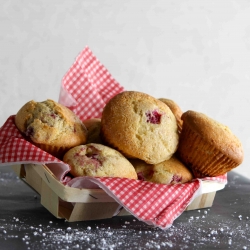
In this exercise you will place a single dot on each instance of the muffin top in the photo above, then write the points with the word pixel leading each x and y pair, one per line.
pixel 140 126
pixel 175 108
pixel 51 123
pixel 97 160
pixel 214 133
pixel 171 171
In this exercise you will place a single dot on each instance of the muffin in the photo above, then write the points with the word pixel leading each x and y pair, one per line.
pixel 50 126
pixel 171 171
pixel 140 126
pixel 93 126
pixel 208 147
pixel 176 111
pixel 98 160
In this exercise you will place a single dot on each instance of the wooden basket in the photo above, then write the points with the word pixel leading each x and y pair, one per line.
pixel 74 204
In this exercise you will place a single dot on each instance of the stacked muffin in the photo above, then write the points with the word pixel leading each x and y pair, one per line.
pixel 138 136
pixel 50 126
pixel 140 126
pixel 208 147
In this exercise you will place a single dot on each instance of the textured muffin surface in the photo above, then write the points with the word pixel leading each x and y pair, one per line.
pixel 140 126
pixel 207 146
pixel 98 160
pixel 93 126
pixel 171 171
pixel 175 108
pixel 49 124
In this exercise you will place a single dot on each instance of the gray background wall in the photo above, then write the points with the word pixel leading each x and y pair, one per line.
pixel 194 52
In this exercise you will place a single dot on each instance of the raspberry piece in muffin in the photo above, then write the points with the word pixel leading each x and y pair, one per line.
pixel 153 117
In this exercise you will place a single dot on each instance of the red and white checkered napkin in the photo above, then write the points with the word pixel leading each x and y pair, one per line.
pixel 15 149
pixel 155 204
pixel 88 86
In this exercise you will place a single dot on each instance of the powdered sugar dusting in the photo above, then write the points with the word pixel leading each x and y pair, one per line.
pixel 195 231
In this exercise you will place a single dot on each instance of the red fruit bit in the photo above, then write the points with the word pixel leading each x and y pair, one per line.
pixel 153 117
pixel 145 176
pixel 79 153
pixel 176 179
pixel 29 132
pixel 53 115
pixel 140 176
pixel 93 155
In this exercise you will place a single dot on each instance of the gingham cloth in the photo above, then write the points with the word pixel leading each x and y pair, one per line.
pixel 86 88
pixel 15 149
pixel 155 204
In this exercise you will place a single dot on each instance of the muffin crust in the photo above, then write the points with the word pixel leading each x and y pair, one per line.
pixel 140 126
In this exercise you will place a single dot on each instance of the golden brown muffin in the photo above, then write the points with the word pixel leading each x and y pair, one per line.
pixel 140 126
pixel 93 126
pixel 98 161
pixel 51 126
pixel 208 147
pixel 171 171
pixel 176 111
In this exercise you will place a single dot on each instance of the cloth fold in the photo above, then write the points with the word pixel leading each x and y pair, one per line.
pixel 155 204
pixel 88 86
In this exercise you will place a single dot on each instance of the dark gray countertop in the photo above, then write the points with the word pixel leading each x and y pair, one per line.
pixel 26 224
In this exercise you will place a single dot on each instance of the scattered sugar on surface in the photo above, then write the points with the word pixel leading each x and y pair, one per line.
pixel 128 233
